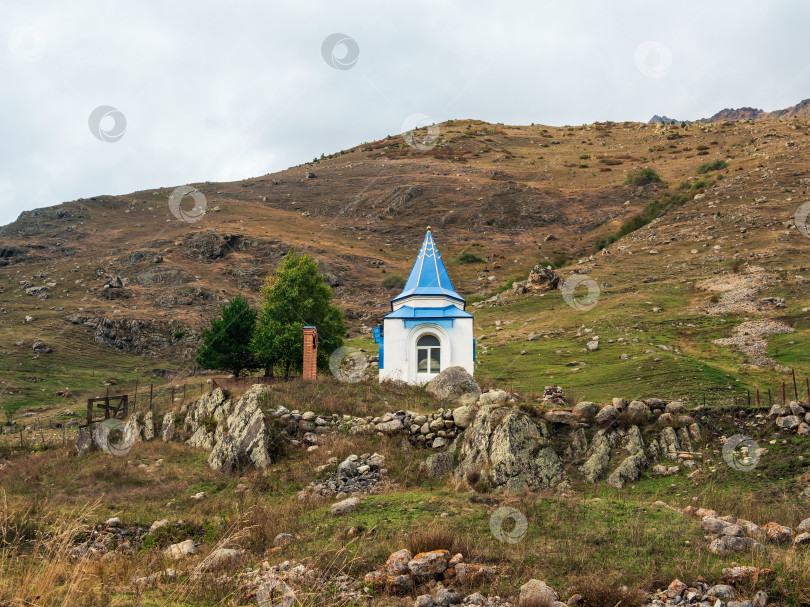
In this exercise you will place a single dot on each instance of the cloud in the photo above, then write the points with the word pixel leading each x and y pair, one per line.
pixel 223 91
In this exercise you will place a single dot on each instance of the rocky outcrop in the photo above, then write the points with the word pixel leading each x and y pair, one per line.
pixel 236 435
pixel 541 278
pixel 142 337
pixel 505 448
pixel 454 384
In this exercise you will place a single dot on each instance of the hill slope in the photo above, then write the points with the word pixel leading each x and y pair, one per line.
pixel 496 191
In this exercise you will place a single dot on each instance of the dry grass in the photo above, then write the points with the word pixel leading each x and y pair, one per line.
pixel 596 591
pixel 433 538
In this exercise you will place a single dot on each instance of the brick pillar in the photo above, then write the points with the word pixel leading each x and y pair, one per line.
pixel 310 352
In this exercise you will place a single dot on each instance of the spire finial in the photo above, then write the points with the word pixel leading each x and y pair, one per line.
pixel 428 228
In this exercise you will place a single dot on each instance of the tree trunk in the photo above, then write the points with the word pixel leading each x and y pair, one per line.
pixel 287 371
pixel 268 370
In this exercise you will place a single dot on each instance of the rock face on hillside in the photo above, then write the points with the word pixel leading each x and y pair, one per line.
pixel 505 448
pixel 454 383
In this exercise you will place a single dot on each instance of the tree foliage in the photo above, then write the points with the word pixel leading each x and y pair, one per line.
pixel 227 344
pixel 294 297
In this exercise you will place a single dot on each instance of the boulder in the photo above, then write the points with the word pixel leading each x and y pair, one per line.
pixel 675 407
pixel 638 412
pixel 446 597
pixel 247 439
pixel 585 411
pixel 802 539
pixel 429 564
pixel 558 416
pixel 437 465
pixel 536 593
pixel 219 558
pixel 494 397
pixel 778 534
pixel 84 442
pixel 346 506
pixel 789 422
pixel 167 427
pixel 723 592
pixel 423 600
pixel 607 414
pixel 454 384
pixel 180 550
pixel 509 445
pixel 463 416
pixel 148 430
pixel 282 539
pixel 397 563
pixel 391 427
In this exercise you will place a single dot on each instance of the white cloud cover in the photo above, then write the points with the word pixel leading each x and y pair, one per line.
pixel 223 91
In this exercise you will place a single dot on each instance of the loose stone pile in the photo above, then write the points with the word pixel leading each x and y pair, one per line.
pixel 403 572
pixel 703 594
pixel 731 535
pixel 356 475
pixel 795 416
pixel 109 537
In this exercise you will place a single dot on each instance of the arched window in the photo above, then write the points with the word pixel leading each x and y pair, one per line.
pixel 428 354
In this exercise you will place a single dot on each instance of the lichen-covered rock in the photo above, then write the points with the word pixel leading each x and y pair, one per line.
pixel 247 439
pixel 638 412
pixel 437 465
pixel 494 397
pixel 148 430
pixel 207 407
pixel 778 534
pixel 789 422
pixel 84 442
pixel 429 564
pixel 599 455
pixel 454 384
pixel 397 563
pixel 167 427
pixel 510 446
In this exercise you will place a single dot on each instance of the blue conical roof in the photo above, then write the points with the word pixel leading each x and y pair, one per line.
pixel 429 276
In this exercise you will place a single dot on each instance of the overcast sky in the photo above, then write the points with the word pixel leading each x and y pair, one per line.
pixel 194 90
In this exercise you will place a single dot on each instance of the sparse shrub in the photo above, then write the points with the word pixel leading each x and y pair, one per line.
pixel 737 265
pixel 395 281
pixel 715 298
pixel 432 538
pixel 642 177
pixel 585 157
pixel 469 258
pixel 714 165
pixel 596 592
pixel 472 477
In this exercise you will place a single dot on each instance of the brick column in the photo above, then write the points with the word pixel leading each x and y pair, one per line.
pixel 310 353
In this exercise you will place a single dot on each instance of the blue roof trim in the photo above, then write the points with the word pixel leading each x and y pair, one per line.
pixel 429 313
pixel 429 276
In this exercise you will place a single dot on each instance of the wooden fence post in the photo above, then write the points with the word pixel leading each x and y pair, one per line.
pixel 150 396
pixel 795 389
pixel 135 400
